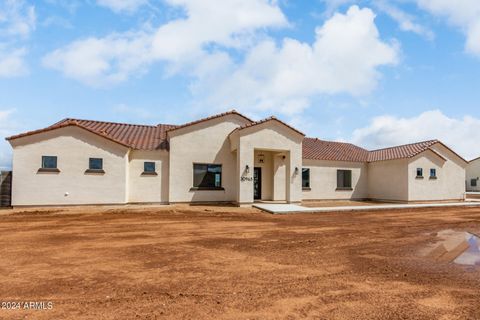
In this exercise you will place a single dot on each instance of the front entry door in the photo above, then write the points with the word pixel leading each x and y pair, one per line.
pixel 257 183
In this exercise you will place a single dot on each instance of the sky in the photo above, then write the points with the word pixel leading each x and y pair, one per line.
pixel 376 73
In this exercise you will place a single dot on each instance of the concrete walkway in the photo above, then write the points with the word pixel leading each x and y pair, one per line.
pixel 293 208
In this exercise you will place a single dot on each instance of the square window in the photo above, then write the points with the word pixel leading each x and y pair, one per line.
pixel 49 162
pixel 419 173
pixel 149 167
pixel 207 176
pixel 95 164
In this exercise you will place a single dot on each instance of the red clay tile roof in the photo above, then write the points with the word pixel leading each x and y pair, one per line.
pixel 138 137
pixel 400 152
pixel 210 118
pixel 316 149
pixel 272 118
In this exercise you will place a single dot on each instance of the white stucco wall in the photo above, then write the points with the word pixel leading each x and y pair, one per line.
pixel 473 172
pixel 205 142
pixel 73 146
pixel 323 180
pixel 148 188
pixel 388 180
pixel 450 182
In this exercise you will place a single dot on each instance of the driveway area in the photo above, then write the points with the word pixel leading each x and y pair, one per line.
pixel 202 262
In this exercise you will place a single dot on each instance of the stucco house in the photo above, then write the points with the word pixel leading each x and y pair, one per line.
pixel 222 158
pixel 473 175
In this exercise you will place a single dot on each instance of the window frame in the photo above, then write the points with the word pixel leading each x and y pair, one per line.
pixel 419 176
pixel 47 169
pixel 95 170
pixel 347 179
pixel 149 172
pixel 434 175
pixel 473 183
pixel 199 186
pixel 306 186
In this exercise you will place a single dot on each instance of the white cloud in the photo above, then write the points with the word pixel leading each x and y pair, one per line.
pixel 464 14
pixel 6 129
pixel 122 5
pixel 16 18
pixel 343 59
pixel 461 134
pixel 12 62
pixel 102 62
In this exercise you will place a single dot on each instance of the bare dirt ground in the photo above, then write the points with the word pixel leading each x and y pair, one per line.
pixel 231 263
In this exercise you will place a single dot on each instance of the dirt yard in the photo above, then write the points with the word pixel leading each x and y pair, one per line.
pixel 231 263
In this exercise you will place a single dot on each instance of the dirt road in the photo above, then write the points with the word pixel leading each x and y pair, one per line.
pixel 231 263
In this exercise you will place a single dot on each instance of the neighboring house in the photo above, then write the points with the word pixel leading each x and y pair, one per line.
pixel 473 175
pixel 223 158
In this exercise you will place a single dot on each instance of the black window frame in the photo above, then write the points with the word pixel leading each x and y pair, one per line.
pixel 419 173
pixel 473 183
pixel 55 158
pixel 148 172
pixel 306 178
pixel 209 180
pixel 344 179
pixel 433 173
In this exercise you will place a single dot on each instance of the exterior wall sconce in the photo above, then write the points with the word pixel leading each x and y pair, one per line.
pixel 247 169
pixel 296 170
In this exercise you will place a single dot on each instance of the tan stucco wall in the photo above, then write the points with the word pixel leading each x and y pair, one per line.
pixel 388 180
pixel 73 147
pixel 450 182
pixel 473 172
pixel 323 180
pixel 205 142
pixel 272 136
pixel 148 188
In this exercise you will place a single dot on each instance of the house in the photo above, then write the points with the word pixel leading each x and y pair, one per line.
pixel 222 158
pixel 473 175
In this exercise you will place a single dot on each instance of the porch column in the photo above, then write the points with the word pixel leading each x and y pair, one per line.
pixel 294 177
pixel 245 177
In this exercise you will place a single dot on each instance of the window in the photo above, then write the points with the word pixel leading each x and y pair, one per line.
pixel 49 162
pixel 207 176
pixel 149 167
pixel 433 173
pixel 473 182
pixel 305 178
pixel 95 164
pixel 344 179
pixel 419 173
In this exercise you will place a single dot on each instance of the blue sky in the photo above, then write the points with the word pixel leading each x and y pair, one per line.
pixel 373 72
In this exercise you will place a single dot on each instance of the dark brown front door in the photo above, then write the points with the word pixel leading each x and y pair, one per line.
pixel 257 183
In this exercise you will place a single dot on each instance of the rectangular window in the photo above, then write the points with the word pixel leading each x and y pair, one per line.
pixel 433 173
pixel 149 167
pixel 49 162
pixel 473 182
pixel 305 178
pixel 95 164
pixel 207 176
pixel 419 173
pixel 344 179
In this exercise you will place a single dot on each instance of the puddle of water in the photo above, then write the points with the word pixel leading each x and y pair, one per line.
pixel 457 247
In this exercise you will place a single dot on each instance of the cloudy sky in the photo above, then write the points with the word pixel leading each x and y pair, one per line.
pixel 374 72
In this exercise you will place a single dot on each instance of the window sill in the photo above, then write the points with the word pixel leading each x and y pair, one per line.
pixel 207 189
pixel 306 188
pixel 46 170
pixel 94 171
pixel 419 177
pixel 344 189
pixel 433 178
pixel 149 174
